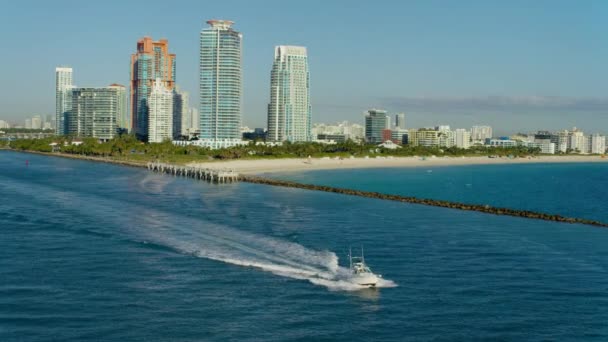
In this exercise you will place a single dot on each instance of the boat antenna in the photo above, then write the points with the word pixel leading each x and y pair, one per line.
pixel 350 257
pixel 362 256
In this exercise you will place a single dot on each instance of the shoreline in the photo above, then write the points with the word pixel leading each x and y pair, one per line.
pixel 269 166
pixel 263 166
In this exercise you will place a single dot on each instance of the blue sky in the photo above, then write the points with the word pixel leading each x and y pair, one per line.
pixel 518 65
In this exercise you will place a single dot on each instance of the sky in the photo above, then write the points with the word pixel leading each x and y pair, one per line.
pixel 516 65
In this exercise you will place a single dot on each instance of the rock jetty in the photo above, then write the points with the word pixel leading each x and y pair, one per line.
pixel 436 203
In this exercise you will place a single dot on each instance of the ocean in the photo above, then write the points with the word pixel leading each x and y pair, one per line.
pixel 99 252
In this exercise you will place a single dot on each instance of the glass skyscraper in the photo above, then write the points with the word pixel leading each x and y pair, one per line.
pixel 63 92
pixel 151 62
pixel 376 121
pixel 220 81
pixel 289 114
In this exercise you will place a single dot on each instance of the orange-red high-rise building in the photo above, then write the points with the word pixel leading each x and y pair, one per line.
pixel 152 61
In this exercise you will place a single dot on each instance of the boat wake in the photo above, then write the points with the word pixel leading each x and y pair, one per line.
pixel 236 247
pixel 202 238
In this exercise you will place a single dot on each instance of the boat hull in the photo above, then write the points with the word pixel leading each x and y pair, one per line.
pixel 368 279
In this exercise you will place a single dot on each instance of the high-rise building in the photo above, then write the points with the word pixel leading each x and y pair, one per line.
pixel 400 121
pixel 481 133
pixel 95 112
pixel 28 123
pixel 123 121
pixel 561 140
pixel 195 122
pixel 462 138
pixel 376 121
pixel 597 144
pixel 4 124
pixel 161 113
pixel 63 91
pixel 220 81
pixel 289 113
pixel 181 112
pixel 151 62
pixel 578 141
pixel 37 122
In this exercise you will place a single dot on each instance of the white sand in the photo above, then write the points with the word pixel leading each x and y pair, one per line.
pixel 290 165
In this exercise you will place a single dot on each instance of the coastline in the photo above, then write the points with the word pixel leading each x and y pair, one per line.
pixel 265 166
pixel 259 166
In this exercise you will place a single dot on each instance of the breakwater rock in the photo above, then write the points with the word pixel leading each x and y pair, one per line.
pixel 436 203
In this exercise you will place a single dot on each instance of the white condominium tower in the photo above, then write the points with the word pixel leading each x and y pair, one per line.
pixel 160 115
pixel 220 81
pixel 481 133
pixel 289 113
pixel 63 88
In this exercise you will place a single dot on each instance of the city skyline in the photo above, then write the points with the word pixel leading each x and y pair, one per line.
pixel 487 80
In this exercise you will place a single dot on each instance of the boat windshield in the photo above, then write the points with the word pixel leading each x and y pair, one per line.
pixel 361 268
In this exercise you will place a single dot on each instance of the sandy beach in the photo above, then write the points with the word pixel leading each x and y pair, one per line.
pixel 293 165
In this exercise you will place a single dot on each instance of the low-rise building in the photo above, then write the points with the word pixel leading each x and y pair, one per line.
pixel 428 137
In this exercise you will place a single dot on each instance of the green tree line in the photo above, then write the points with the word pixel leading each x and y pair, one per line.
pixel 127 147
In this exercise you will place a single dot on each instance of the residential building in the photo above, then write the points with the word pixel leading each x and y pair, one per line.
pixel 289 112
pixel 578 141
pixel 446 136
pixel 95 112
pixel 213 144
pixel 50 119
pixel 338 138
pixel 481 133
pixel 427 137
pixel 400 121
pixel 501 143
pixel 28 123
pixel 255 134
pixel 399 136
pixel 597 144
pixel 160 117
pixel 220 82
pixel 151 62
pixel 122 120
pixel 182 120
pixel 545 146
pixel 63 88
pixel 4 124
pixel 376 121
pixel 561 140
pixel 350 131
pixel 462 138
pixel 194 122
pixel 387 135
pixel 37 122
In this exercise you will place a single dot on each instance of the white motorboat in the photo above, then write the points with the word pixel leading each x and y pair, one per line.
pixel 361 274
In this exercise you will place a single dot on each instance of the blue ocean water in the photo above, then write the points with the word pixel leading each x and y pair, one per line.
pixel 106 253
pixel 570 189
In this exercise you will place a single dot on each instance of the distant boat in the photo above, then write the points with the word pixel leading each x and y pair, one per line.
pixel 361 274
